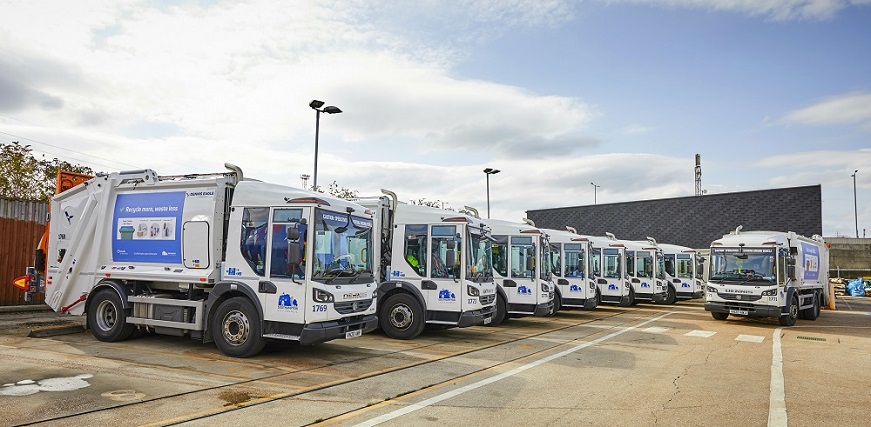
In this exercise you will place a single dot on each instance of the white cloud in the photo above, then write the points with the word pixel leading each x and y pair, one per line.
pixel 848 109
pixel 778 10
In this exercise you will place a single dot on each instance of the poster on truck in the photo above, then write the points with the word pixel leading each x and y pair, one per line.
pixel 811 261
pixel 147 227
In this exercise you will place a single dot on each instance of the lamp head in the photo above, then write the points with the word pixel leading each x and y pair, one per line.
pixel 332 109
pixel 316 104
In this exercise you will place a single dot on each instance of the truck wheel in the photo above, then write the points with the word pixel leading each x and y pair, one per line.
pixel 792 314
pixel 813 312
pixel 719 316
pixel 401 317
pixel 670 296
pixel 236 328
pixel 557 303
pixel 631 299
pixel 107 319
pixel 499 315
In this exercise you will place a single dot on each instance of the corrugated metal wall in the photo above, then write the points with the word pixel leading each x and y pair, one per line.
pixel 21 227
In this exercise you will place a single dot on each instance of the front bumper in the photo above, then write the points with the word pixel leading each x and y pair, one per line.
pixel 477 317
pixel 326 331
pixel 752 310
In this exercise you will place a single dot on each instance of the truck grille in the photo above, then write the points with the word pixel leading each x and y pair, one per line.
pixel 348 307
pixel 487 299
pixel 739 297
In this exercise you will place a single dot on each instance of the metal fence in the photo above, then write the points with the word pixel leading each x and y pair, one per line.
pixel 21 226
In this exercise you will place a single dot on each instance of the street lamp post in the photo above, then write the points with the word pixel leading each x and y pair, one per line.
pixel 855 205
pixel 489 171
pixel 316 105
pixel 594 191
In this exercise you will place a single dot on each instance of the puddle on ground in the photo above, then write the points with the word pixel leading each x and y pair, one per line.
pixel 28 387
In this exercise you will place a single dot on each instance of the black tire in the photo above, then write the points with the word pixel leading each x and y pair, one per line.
pixel 670 296
pixel 501 311
pixel 813 312
pixel 792 316
pixel 719 315
pixel 557 303
pixel 236 328
pixel 630 299
pixel 401 317
pixel 107 318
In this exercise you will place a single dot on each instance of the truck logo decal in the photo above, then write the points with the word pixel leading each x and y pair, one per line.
pixel 523 290
pixel 447 296
pixel 685 285
pixel 147 227
pixel 645 285
pixel 69 217
pixel 232 271
pixel 575 288
pixel 612 287
pixel 811 261
pixel 287 303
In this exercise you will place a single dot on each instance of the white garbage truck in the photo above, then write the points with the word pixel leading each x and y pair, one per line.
pixel 211 256
pixel 645 270
pixel 524 286
pixel 569 256
pixel 433 267
pixel 607 260
pixel 767 274
pixel 683 272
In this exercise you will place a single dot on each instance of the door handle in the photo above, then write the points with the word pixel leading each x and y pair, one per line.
pixel 602 281
pixel 508 283
pixel 562 282
pixel 267 287
pixel 429 284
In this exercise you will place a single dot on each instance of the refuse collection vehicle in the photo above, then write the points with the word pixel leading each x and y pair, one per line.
pixel 211 256
pixel 607 269
pixel 569 255
pixel 433 267
pixel 767 274
pixel 645 270
pixel 523 282
pixel 683 273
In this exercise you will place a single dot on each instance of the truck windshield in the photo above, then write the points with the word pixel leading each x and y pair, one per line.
pixel 342 246
pixel 743 265
pixel 596 262
pixel 480 264
pixel 660 265
pixel 555 263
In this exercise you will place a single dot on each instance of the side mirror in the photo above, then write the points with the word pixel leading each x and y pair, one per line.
pixel 530 263
pixel 790 271
pixel 292 232
pixel 450 258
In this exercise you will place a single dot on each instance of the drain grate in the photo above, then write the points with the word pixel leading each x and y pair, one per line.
pixel 811 338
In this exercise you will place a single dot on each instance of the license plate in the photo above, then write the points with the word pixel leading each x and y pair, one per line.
pixel 353 334
pixel 739 312
pixel 487 320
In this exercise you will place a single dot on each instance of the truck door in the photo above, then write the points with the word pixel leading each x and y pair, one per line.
pixel 286 295
pixel 522 287
pixel 444 269
pixel 611 282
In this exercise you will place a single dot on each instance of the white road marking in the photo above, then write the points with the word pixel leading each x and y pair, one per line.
pixel 453 393
pixel 700 334
pixel 776 397
pixel 750 338
pixel 656 329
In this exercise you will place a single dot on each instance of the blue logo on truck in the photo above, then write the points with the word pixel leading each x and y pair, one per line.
pixel 811 261
pixel 287 303
pixel 446 295
pixel 146 227
pixel 523 290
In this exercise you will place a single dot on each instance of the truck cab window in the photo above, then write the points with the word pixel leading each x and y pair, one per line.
pixel 445 244
pixel 500 258
pixel 415 248
pixel 574 260
pixel 253 242
pixel 281 220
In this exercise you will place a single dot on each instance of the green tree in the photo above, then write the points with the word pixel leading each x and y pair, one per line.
pixel 438 204
pixel 24 177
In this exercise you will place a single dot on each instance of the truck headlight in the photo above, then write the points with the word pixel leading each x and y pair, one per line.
pixel 545 287
pixel 769 293
pixel 322 296
pixel 473 291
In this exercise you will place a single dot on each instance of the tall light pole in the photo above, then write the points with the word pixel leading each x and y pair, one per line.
pixel 316 105
pixel 855 205
pixel 594 191
pixel 489 171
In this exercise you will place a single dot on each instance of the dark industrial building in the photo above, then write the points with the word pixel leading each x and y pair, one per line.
pixel 694 221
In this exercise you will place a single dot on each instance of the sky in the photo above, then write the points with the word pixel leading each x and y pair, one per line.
pixel 575 102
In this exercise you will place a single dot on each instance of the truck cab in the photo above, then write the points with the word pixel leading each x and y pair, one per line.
pixel 569 255
pixel 767 274
pixel 683 272
pixel 607 270
pixel 645 270
pixel 523 280
pixel 433 266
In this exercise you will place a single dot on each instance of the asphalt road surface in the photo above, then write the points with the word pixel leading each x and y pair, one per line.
pixel 643 365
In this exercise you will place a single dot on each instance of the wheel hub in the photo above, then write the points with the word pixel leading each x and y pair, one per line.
pixel 236 328
pixel 107 315
pixel 401 316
